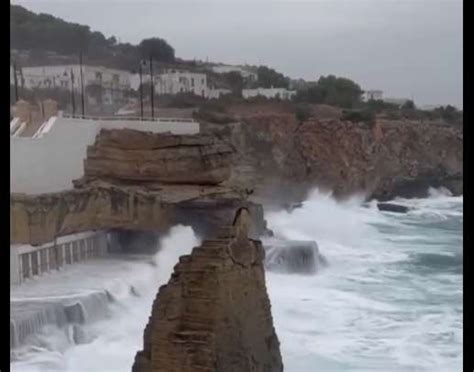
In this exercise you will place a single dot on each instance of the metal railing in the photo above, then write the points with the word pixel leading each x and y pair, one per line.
pixel 129 118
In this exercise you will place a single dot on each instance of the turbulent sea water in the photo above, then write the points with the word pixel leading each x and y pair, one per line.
pixel 390 299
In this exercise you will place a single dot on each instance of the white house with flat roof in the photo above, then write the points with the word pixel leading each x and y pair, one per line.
pixel 242 70
pixel 281 93
pixel 375 95
pixel 113 84
pixel 60 77
pixel 174 81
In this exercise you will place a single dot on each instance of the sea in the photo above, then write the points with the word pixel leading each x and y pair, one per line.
pixel 389 298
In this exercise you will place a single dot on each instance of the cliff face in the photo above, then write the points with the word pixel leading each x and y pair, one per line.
pixel 138 181
pixel 133 156
pixel 214 313
pixel 280 157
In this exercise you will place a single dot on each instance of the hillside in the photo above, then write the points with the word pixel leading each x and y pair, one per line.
pixel 44 39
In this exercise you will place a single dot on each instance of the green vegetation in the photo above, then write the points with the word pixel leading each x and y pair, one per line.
pixel 157 48
pixel 234 81
pixel 39 33
pixel 450 114
pixel 332 90
pixel 302 112
pixel 358 116
pixel 268 78
pixel 408 105
pixel 379 106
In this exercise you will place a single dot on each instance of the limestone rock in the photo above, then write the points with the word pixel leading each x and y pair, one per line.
pixel 135 156
pixel 38 219
pixel 282 160
pixel 214 314
pixel 294 257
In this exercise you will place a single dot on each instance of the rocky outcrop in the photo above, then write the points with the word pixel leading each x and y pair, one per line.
pixel 294 257
pixel 282 159
pixel 214 313
pixel 139 181
pixel 133 156
pixel 41 218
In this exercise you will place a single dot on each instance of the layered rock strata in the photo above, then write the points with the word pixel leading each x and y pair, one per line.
pixel 132 156
pixel 139 181
pixel 39 219
pixel 281 158
pixel 214 313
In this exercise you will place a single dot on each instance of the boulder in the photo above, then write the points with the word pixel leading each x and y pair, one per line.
pixel 214 312
pixel 391 207
pixel 294 257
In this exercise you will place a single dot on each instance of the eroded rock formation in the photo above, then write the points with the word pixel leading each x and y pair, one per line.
pixel 138 181
pixel 214 313
pixel 282 159
pixel 39 219
pixel 134 156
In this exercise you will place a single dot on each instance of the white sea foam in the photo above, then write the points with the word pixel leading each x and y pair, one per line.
pixel 113 342
pixel 390 300
pixel 376 307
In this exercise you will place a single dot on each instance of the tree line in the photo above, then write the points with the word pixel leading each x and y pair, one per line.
pixel 39 33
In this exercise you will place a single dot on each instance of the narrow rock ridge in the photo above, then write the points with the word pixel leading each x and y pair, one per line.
pixel 214 314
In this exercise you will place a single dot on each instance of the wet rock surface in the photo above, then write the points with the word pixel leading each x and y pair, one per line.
pixel 294 257
pixel 214 313
pixel 139 181
pixel 282 159
pixel 391 207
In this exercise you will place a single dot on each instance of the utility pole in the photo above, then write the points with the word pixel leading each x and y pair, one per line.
pixel 141 89
pixel 82 84
pixel 15 81
pixel 22 81
pixel 72 94
pixel 152 89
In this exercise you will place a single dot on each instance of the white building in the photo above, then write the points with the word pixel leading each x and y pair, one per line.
pixel 243 71
pixel 175 81
pixel 60 77
pixel 217 93
pixel 375 95
pixel 281 93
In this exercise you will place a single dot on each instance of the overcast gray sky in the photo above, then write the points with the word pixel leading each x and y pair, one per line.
pixel 407 48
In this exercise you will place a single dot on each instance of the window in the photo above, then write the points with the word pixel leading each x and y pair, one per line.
pixel 202 81
pixel 115 78
pixel 192 82
pixel 98 75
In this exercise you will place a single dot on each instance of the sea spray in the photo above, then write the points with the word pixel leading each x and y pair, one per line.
pixel 112 342
pixel 391 298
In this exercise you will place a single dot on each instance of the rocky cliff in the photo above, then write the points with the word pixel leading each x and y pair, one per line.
pixel 214 313
pixel 282 158
pixel 133 156
pixel 138 181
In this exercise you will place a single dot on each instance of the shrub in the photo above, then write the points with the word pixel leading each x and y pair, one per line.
pixel 302 112
pixel 357 116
